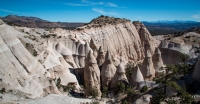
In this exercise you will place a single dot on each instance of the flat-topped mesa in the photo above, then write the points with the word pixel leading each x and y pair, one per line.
pixel 136 77
pixel 94 47
pixel 91 74
pixel 104 20
pixel 147 67
pixel 157 61
pixel 119 76
pixel 108 71
pixel 195 73
pixel 100 57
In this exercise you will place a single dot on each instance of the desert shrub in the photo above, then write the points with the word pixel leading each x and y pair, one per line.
pixel 3 90
pixel 143 89
pixel 104 91
pixel 130 91
pixel 35 53
pixel 93 92
pixel 121 86
pixel 95 102
pixel 129 70
pixel 69 87
pixel 126 102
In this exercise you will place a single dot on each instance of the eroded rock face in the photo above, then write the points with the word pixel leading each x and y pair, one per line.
pixel 157 61
pixel 100 57
pixel 1 22
pixel 108 71
pixel 119 76
pixel 94 47
pixel 195 73
pixel 59 52
pixel 20 71
pixel 147 67
pixel 92 74
pixel 136 77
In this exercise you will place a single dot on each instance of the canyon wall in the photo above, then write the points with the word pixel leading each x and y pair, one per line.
pixel 34 62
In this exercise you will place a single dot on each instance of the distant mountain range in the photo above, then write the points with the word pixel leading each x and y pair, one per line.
pixel 35 22
pixel 168 27
pixel 170 22
pixel 162 27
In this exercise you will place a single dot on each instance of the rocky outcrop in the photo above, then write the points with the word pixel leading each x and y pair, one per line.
pixel 146 39
pixel 136 77
pixel 108 71
pixel 157 61
pixel 100 57
pixel 92 74
pixel 20 71
pixel 119 76
pixel 195 73
pixel 147 67
pixel 1 22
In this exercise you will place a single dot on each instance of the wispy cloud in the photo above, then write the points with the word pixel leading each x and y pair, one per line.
pixel 74 4
pixel 196 16
pixel 10 11
pixel 112 5
pixel 104 12
pixel 91 3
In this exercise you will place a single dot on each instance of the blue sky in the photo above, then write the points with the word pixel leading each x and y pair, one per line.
pixel 86 10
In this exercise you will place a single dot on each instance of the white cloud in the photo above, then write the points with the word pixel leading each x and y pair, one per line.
pixel 196 16
pixel 91 3
pixel 112 5
pixel 104 12
pixel 10 11
pixel 74 4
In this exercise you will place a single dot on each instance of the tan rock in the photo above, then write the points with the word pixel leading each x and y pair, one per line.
pixel 136 77
pixel 81 56
pixel 91 74
pixel 94 47
pixel 1 22
pixel 157 61
pixel 119 75
pixel 108 71
pixel 100 57
pixel 147 67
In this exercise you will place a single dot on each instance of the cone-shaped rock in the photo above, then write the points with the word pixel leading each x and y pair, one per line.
pixel 108 71
pixel 94 48
pixel 157 60
pixel 147 67
pixel 136 77
pixel 195 74
pixel 100 57
pixel 81 55
pixel 119 75
pixel 91 74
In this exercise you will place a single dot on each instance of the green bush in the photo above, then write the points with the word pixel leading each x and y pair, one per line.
pixel 3 90
pixel 130 91
pixel 121 86
pixel 104 92
pixel 93 92
pixel 69 87
pixel 144 89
